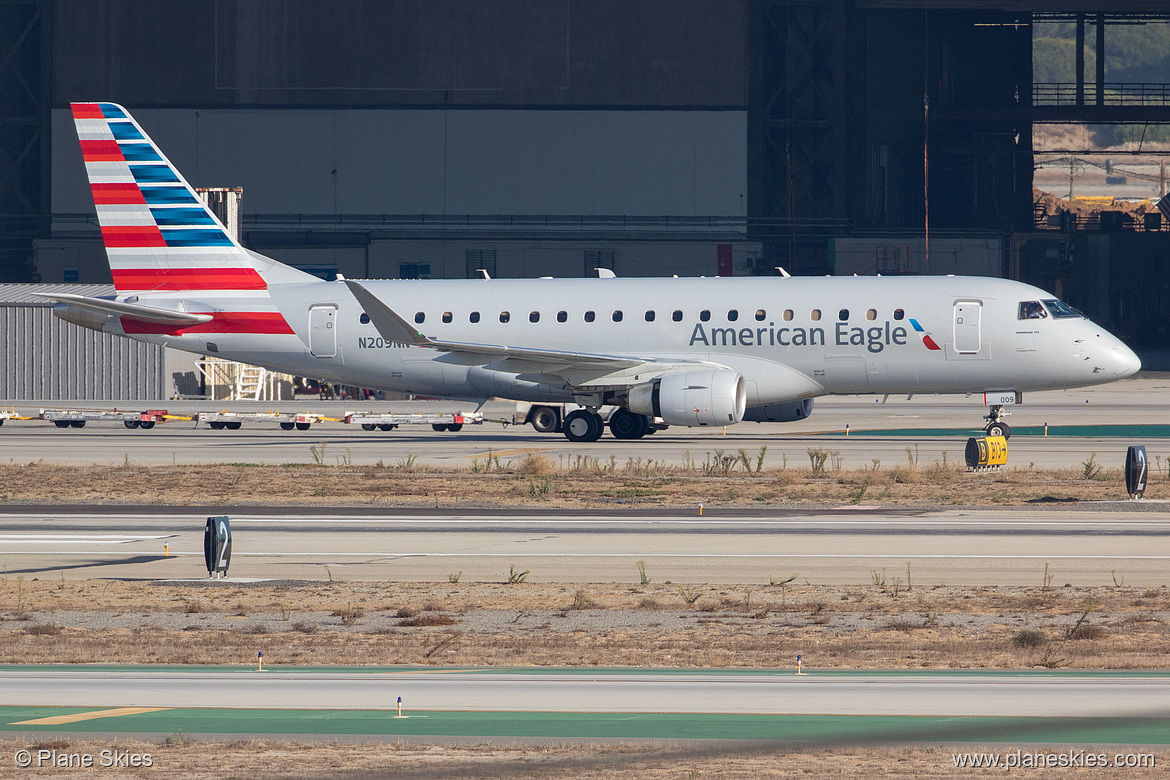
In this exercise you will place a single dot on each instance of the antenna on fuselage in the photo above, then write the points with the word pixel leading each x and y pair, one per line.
pixel 783 273
pixel 605 273
pixel 483 271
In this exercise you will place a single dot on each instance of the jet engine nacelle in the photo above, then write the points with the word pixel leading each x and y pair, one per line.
pixel 692 398
pixel 789 411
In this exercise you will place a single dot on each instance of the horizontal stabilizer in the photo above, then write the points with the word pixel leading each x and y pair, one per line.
pixel 137 311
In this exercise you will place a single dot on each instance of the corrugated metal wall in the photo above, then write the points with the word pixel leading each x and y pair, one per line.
pixel 43 357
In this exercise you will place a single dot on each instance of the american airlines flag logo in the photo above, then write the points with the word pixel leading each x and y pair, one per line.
pixel 158 234
pixel 926 339
pixel 143 205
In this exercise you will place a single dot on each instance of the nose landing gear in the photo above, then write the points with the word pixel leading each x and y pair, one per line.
pixel 995 424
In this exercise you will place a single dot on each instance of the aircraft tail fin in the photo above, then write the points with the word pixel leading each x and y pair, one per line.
pixel 159 235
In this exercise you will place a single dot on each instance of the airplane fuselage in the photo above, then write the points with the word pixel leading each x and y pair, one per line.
pixel 789 337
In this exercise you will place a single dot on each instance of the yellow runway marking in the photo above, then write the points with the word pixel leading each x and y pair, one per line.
pixel 57 720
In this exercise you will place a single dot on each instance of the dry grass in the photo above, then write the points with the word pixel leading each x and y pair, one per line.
pixel 196 760
pixel 634 625
pixel 579 481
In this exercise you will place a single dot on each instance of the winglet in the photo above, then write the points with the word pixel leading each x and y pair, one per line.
pixel 391 326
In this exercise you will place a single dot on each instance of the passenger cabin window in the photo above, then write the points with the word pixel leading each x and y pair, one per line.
pixel 732 315
pixel 590 316
pixel 705 315
pixel 843 315
pixel 419 317
pixel 761 315
pixel 446 316
pixel 473 317
pixel 365 318
pixel 677 316
pixel 871 314
pixel 650 316
pixel 1032 310
pixel 562 316
pixel 534 316
pixel 617 316
pixel 505 316
pixel 788 315
pixel 815 315
pixel 1060 309
pixel 899 314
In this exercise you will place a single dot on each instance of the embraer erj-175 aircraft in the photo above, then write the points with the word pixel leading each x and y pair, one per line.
pixel 689 352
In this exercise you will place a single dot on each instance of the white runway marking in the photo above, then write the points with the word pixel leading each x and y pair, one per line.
pixel 70 539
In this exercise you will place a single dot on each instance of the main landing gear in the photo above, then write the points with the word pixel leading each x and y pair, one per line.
pixel 995 424
pixel 624 424
pixel 586 425
pixel 583 425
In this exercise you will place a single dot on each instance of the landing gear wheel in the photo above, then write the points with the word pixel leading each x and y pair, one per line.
pixel 583 425
pixel 369 427
pixel 232 425
pixel 455 427
pixel 544 419
pixel 61 423
pixel 303 426
pixel 999 429
pixel 216 425
pixel 287 426
pixel 387 426
pixel 624 424
pixel 148 424
pixel 131 424
pixel 439 427
pixel 77 423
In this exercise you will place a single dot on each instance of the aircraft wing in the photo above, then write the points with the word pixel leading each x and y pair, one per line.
pixel 135 310
pixel 393 327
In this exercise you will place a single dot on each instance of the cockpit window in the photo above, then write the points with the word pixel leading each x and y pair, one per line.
pixel 1060 309
pixel 1032 310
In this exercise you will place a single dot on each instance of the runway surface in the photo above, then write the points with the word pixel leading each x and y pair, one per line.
pixel 1131 411
pixel 842 546
pixel 585 703
pixel 589 690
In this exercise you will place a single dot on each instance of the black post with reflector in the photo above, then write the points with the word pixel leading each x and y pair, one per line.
pixel 217 545
pixel 1137 468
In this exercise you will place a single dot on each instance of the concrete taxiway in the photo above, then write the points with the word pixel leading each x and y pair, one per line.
pixel 1106 420
pixel 592 704
pixel 842 546
pixel 1022 694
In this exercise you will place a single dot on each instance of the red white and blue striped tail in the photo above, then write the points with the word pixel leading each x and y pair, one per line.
pixel 159 235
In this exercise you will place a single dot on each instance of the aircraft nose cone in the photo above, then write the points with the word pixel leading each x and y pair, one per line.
pixel 1125 362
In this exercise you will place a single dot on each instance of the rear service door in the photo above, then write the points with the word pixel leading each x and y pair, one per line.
pixel 323 331
pixel 967 327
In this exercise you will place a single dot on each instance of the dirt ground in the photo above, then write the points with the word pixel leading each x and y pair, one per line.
pixel 729 478
pixel 178 757
pixel 888 624
pixel 894 622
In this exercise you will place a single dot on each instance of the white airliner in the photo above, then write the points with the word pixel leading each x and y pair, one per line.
pixel 689 352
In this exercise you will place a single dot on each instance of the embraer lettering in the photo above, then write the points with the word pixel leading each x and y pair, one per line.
pixel 874 339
